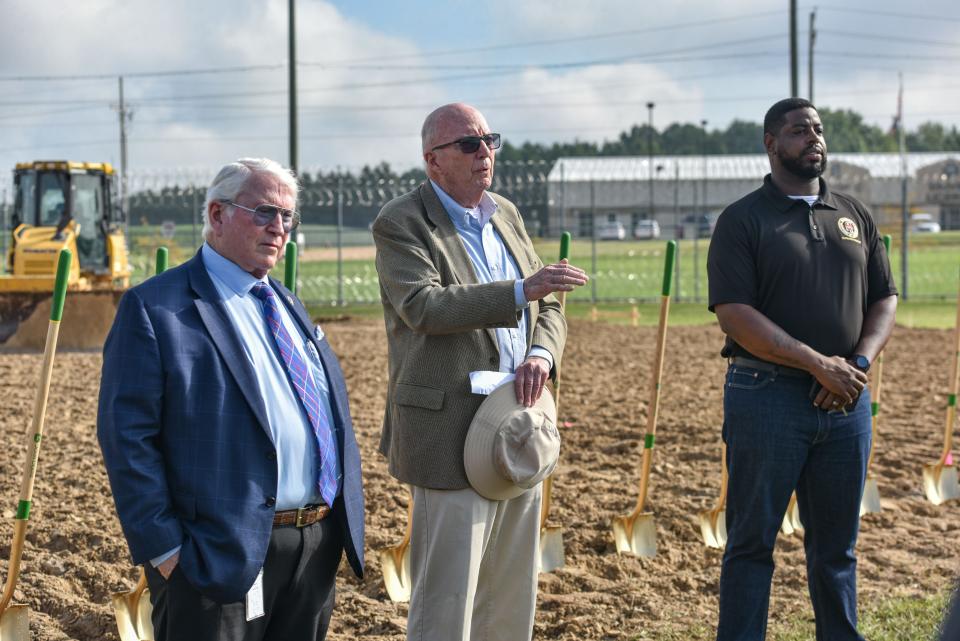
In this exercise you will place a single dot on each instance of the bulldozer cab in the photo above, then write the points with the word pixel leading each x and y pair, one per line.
pixel 55 193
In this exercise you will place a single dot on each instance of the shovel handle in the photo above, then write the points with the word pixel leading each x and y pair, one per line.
pixel 653 410
pixel 290 267
pixel 163 259
pixel 954 384
pixel 35 435
pixel 548 482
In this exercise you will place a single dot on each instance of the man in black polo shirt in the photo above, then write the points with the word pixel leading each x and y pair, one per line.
pixel 801 286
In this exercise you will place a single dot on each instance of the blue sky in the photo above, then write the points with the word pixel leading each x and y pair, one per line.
pixel 540 70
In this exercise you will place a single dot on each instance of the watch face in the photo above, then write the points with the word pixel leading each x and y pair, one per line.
pixel 862 362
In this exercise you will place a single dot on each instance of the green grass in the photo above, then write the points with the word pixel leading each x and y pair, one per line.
pixel 929 315
pixel 891 619
pixel 622 272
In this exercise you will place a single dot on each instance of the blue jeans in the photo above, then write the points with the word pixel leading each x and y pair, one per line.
pixel 778 442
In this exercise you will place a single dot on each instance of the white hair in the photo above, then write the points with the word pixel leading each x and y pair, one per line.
pixel 233 177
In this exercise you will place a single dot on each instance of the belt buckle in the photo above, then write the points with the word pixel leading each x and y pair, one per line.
pixel 300 519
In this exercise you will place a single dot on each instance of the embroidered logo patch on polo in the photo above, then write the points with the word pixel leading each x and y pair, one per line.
pixel 849 229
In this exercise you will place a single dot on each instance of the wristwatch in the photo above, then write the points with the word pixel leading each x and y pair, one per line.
pixel 861 362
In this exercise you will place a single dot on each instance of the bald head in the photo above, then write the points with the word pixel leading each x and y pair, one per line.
pixel 443 119
pixel 464 175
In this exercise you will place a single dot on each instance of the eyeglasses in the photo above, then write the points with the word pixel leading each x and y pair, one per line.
pixel 265 214
pixel 470 144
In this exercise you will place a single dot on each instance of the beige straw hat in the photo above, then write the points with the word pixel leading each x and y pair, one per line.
pixel 510 448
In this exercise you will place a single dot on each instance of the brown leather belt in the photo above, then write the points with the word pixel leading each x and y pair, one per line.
pixel 301 517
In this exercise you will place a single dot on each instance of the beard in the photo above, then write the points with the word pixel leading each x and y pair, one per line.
pixel 801 169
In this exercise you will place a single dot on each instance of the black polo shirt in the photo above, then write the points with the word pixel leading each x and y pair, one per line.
pixel 811 270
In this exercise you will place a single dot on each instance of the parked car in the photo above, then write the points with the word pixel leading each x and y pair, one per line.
pixel 928 227
pixel 611 231
pixel 923 223
pixel 646 230
pixel 698 225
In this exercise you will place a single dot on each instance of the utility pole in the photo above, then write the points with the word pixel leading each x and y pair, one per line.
pixel 650 106
pixel 125 116
pixel 292 68
pixel 905 209
pixel 813 38
pixel 794 82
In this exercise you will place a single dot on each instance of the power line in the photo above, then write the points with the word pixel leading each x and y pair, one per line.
pixel 560 65
pixel 892 14
pixel 141 74
pixel 561 41
pixel 887 56
pixel 890 38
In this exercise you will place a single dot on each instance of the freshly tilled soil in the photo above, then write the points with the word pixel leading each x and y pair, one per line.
pixel 76 556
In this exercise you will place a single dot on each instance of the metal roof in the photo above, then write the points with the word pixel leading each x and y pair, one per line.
pixel 726 167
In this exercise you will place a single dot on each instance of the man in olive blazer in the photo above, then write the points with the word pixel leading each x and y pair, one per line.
pixel 463 290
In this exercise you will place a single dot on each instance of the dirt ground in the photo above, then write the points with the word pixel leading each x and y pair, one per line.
pixel 76 555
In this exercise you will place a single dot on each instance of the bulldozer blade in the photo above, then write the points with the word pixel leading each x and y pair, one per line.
pixel 395 565
pixel 25 318
pixel 713 527
pixel 551 549
pixel 791 520
pixel 14 309
pixel 15 623
pixel 635 535
pixel 940 483
pixel 870 503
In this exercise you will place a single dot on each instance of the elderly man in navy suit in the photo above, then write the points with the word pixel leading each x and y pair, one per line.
pixel 226 432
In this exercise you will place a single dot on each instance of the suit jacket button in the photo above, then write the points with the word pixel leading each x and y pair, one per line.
pixel 493 360
pixel 270 502
pixel 271 456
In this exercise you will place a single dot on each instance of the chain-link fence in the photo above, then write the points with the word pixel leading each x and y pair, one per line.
pixel 337 254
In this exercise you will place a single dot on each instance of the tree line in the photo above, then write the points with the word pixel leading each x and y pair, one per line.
pixel 522 167
pixel 845 130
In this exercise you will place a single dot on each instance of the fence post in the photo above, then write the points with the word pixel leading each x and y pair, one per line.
pixel 193 218
pixel 339 239
pixel 593 245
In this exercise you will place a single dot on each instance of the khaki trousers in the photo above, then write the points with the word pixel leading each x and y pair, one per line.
pixel 473 566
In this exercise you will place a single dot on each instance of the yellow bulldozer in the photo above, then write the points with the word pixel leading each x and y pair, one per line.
pixel 63 204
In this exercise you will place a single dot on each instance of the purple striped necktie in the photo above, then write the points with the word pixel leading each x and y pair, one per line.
pixel 306 390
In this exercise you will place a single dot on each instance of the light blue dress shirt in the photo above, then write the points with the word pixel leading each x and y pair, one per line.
pixel 289 427
pixel 493 262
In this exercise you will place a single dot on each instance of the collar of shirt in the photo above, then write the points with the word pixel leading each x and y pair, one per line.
pixel 228 272
pixel 462 216
pixel 783 202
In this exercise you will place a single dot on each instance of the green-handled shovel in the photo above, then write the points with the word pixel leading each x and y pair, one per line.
pixel 713 523
pixel 551 536
pixel 940 478
pixel 14 618
pixel 395 563
pixel 870 502
pixel 290 267
pixel 132 609
pixel 636 532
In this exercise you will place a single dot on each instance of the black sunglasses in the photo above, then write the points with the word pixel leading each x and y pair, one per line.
pixel 265 214
pixel 470 144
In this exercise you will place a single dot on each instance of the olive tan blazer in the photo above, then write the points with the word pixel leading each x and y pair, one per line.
pixel 440 327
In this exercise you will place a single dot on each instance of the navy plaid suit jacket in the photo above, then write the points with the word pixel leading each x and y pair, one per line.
pixel 183 433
